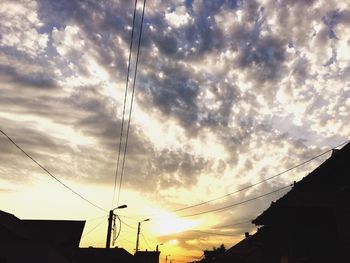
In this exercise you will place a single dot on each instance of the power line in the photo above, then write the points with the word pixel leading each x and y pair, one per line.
pixel 236 204
pixel 127 240
pixel 125 96
pixel 262 181
pixel 144 238
pixel 127 224
pixel 130 217
pixel 132 99
pixel 234 224
pixel 211 233
pixel 222 226
pixel 124 238
pixel 49 173
pixel 95 218
pixel 93 229
pixel 229 225
pixel 250 186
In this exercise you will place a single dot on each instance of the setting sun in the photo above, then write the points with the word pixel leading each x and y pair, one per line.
pixel 170 224
pixel 173 242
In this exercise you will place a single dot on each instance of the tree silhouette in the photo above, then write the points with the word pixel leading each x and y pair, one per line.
pixel 211 255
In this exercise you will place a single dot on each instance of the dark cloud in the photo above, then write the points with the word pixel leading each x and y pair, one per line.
pixel 31 79
pixel 331 19
pixel 180 166
pixel 99 24
pixel 263 57
pixel 191 41
pixel 91 114
pixel 19 168
pixel 301 70
pixel 204 36
pixel 153 171
pixel 174 95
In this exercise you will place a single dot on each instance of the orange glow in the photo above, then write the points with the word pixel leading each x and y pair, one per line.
pixel 173 242
pixel 170 224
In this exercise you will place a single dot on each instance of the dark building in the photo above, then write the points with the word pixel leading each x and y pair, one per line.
pixel 39 241
pixel 146 257
pixel 310 224
pixel 104 255
pixel 247 250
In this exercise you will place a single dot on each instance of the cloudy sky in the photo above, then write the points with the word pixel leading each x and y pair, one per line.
pixel 227 93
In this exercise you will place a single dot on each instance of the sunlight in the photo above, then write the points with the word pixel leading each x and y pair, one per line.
pixel 173 242
pixel 170 224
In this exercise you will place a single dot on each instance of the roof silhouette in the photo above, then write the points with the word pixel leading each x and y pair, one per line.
pixel 59 232
pixel 320 188
pixel 104 255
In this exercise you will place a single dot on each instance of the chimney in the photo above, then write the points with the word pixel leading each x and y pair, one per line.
pixel 247 234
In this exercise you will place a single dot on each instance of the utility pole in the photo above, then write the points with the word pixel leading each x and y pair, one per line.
pixel 138 234
pixel 157 247
pixel 109 228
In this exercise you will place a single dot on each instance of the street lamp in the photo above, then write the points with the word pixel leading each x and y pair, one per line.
pixel 110 219
pixel 158 246
pixel 166 258
pixel 138 233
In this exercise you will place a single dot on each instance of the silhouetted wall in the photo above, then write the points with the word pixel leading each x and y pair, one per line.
pixel 147 257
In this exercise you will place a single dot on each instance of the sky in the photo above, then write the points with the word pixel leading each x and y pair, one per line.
pixel 227 93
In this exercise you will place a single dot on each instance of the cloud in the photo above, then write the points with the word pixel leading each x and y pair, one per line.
pixel 38 80
pixel 265 56
pixel 6 190
pixel 20 25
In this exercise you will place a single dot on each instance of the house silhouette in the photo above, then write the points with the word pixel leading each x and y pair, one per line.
pixel 146 256
pixel 57 241
pixel 104 255
pixel 38 241
pixel 309 224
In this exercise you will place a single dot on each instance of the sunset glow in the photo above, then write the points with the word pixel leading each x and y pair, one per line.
pixel 170 224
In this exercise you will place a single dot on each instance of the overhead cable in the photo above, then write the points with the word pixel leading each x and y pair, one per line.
pixel 144 238
pixel 93 229
pixel 127 224
pixel 262 181
pixel 125 96
pixel 132 99
pixel 49 173
pixel 212 233
pixel 236 204
pixel 234 224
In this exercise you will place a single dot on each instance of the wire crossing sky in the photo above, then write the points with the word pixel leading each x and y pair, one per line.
pixel 53 176
pixel 124 105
